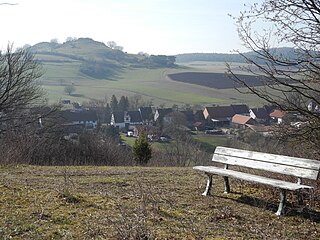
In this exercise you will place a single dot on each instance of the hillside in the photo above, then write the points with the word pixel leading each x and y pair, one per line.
pixel 234 57
pixel 98 72
pixel 141 203
pixel 208 57
pixel 95 58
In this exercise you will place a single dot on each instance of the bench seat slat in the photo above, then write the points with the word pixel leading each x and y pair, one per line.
pixel 268 166
pixel 252 178
pixel 272 158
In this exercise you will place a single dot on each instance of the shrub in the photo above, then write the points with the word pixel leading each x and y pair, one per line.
pixel 142 150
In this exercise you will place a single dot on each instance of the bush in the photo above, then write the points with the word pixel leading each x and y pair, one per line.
pixel 141 150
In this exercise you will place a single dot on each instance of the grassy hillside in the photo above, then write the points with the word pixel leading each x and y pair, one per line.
pixel 150 83
pixel 98 72
pixel 133 202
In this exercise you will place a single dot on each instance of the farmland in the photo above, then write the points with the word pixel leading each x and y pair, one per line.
pixel 152 84
pixel 214 80
pixel 118 73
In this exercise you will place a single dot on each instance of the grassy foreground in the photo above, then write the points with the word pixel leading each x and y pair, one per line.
pixel 140 203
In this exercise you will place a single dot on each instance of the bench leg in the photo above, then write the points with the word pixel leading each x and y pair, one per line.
pixel 208 187
pixel 227 185
pixel 282 202
pixel 300 198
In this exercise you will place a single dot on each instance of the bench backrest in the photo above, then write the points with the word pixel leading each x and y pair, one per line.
pixel 298 167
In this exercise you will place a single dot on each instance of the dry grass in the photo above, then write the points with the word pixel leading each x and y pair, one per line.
pixel 140 203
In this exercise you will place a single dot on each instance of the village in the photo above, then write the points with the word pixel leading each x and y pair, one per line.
pixel 215 120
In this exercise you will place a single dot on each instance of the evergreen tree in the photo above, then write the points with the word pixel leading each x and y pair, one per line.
pixel 114 103
pixel 142 149
pixel 123 104
pixel 108 109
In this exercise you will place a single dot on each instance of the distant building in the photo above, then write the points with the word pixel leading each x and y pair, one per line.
pixel 261 115
pixel 241 109
pixel 219 116
pixel 133 118
pixel 261 129
pixel 163 114
pixel 278 116
pixel 118 120
pixel 146 115
pixel 126 120
pixel 86 118
pixel 241 121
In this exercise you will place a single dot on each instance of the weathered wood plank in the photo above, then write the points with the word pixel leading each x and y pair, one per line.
pixel 267 166
pixel 272 158
pixel 252 178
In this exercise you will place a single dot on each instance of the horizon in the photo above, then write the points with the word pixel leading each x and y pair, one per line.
pixel 160 27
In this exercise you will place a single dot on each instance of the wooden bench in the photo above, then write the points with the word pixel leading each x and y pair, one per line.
pixel 292 166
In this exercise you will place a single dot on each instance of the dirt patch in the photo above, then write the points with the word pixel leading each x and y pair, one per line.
pixel 215 80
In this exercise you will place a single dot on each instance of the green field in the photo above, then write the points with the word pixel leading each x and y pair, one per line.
pixel 208 142
pixel 152 84
pixel 98 72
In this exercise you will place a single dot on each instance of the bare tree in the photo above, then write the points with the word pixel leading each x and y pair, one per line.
pixel 111 44
pixel 54 40
pixel 71 39
pixel 69 89
pixel 292 78
pixel 137 101
pixel 19 90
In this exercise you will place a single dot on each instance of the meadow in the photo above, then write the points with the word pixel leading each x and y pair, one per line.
pixel 208 142
pixel 98 71
pixel 141 203
pixel 151 84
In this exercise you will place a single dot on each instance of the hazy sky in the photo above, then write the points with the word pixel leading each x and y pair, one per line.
pixel 152 26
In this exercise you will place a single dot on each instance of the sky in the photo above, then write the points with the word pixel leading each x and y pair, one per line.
pixel 151 26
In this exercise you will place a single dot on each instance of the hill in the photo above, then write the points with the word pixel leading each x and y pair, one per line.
pixel 98 71
pixel 224 57
pixel 208 57
pixel 140 203
pixel 95 58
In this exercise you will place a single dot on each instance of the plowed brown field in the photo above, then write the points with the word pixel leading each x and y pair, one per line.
pixel 215 80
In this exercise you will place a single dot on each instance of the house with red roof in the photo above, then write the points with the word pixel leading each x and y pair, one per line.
pixel 241 121
pixel 278 115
